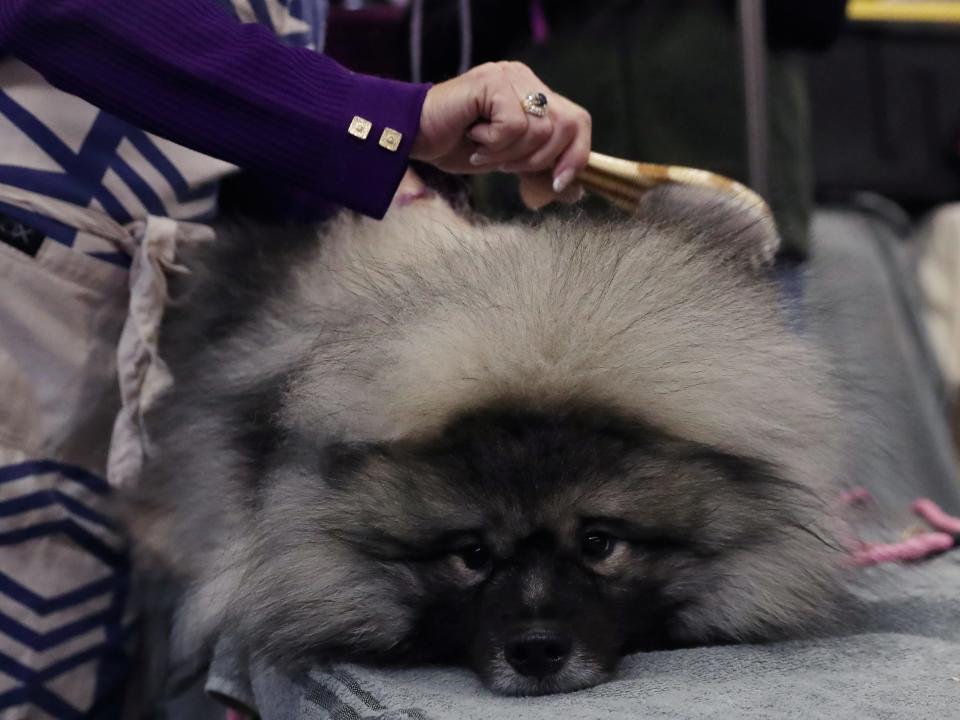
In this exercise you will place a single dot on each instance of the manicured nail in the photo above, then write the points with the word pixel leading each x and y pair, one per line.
pixel 561 181
pixel 477 159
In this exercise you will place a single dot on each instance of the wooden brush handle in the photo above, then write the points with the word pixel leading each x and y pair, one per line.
pixel 622 182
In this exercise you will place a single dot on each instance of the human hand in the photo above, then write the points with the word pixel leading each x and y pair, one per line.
pixel 477 123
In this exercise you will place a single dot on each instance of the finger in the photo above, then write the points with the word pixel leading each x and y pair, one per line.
pixel 574 158
pixel 485 134
pixel 536 190
pixel 507 121
pixel 568 121
pixel 457 161
pixel 573 194
pixel 538 130
pixel 545 157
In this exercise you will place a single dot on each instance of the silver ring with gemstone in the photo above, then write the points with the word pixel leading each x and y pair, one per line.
pixel 535 104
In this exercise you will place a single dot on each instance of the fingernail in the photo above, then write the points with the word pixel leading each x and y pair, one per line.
pixel 561 181
pixel 477 159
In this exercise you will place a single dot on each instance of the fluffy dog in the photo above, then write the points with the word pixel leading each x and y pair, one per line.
pixel 528 449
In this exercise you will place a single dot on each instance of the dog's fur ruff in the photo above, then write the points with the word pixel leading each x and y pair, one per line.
pixel 294 352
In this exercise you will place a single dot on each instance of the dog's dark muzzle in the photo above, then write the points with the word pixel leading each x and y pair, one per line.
pixel 538 650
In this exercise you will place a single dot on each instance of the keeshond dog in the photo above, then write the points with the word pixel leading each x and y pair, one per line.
pixel 528 449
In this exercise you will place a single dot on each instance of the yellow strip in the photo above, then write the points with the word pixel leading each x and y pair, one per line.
pixel 904 11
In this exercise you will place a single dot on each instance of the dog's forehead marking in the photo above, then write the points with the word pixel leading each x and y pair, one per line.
pixel 559 522
pixel 535 588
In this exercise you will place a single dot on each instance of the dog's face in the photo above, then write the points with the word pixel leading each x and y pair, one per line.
pixel 539 549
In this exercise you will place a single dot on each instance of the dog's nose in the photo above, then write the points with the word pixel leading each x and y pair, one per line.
pixel 538 653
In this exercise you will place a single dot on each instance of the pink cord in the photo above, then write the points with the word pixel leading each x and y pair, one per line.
pixel 929 511
pixel 538 23
pixel 916 548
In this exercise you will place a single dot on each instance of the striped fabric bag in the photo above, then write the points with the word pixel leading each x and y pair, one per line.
pixel 90 210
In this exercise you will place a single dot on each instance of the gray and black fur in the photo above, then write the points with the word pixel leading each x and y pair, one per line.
pixel 528 449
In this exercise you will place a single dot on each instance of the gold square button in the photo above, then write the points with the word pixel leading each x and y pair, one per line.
pixel 391 139
pixel 360 127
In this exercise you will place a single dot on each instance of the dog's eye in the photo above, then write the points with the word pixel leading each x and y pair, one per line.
pixel 475 557
pixel 597 545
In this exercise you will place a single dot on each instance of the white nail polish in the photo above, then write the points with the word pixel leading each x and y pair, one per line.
pixel 476 159
pixel 561 181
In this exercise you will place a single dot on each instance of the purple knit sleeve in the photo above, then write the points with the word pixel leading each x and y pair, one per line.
pixel 188 71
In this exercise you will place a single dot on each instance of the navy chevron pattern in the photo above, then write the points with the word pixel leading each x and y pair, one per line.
pixel 66 626
pixel 60 147
pixel 64 636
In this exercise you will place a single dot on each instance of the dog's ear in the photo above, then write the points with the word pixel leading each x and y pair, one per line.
pixel 735 230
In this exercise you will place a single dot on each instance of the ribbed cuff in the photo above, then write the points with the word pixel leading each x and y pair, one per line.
pixel 366 172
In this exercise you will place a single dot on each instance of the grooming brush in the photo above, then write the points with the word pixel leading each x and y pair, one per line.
pixel 622 182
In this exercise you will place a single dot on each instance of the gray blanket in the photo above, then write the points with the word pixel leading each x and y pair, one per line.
pixel 899 659
pixel 896 656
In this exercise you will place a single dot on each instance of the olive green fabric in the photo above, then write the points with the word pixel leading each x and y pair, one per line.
pixel 663 81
